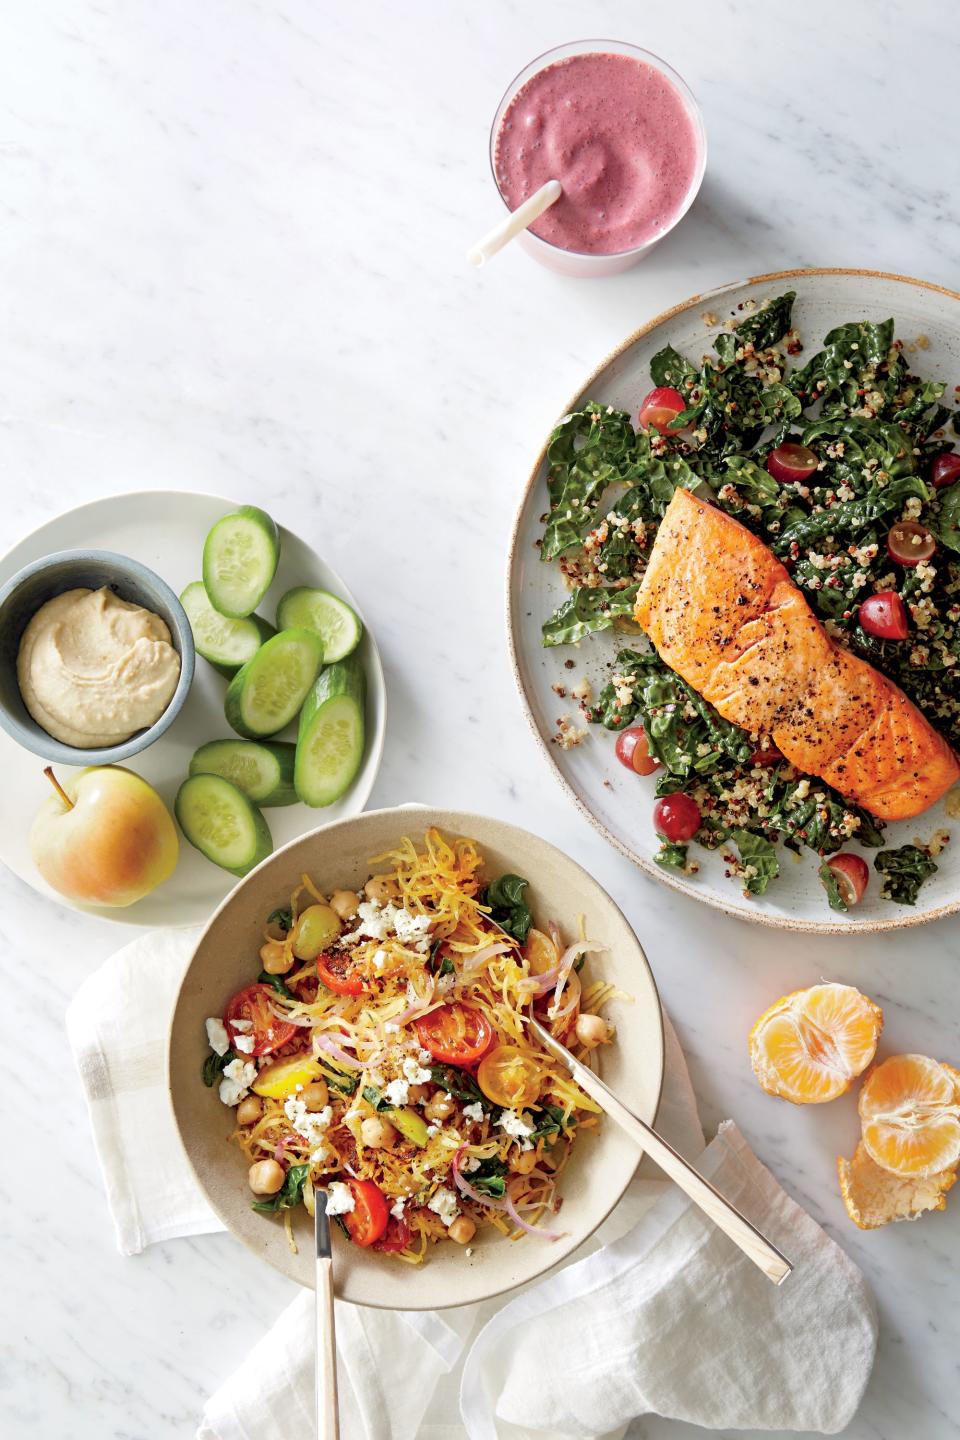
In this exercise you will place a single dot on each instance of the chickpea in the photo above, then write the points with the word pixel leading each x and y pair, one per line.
pixel 416 1094
pixel 345 903
pixel 381 889
pixel 441 1107
pixel 315 1095
pixel 265 1177
pixel 593 1030
pixel 249 1110
pixel 523 1163
pixel 276 958
pixel 377 1133
pixel 462 1230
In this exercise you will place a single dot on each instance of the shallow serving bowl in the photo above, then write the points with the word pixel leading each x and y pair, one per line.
pixel 602 1162
pixel 20 599
pixel 618 803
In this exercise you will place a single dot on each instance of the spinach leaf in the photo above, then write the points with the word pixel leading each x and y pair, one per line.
pixel 588 451
pixel 265 978
pixel 548 1120
pixel 489 1178
pixel 508 907
pixel 281 917
pixel 375 1097
pixel 458 1083
pixel 831 884
pixel 289 1194
pixel 214 1066
pixel 759 858
pixel 764 327
pixel 672 856
pixel 588 610
pixel 903 870
pixel 668 367
pixel 337 1080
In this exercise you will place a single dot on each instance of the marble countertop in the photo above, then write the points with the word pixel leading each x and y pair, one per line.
pixel 233 255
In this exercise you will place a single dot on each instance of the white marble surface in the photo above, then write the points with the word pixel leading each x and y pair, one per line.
pixel 232 253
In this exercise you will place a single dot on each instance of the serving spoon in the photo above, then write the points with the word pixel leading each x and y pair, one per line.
pixel 715 1206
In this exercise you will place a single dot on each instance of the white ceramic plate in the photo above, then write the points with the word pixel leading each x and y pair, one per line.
pixel 620 804
pixel 603 1160
pixel 165 530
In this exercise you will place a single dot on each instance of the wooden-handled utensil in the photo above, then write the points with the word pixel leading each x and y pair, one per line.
pixel 328 1410
pixel 725 1216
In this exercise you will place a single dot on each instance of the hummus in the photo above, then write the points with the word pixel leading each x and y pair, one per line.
pixel 94 669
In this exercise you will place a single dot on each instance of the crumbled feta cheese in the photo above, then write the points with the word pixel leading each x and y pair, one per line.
pixel 411 929
pixel 470 1164
pixel 379 960
pixel 398 1092
pixel 311 1125
pixel 516 1126
pixel 245 1044
pixel 217 1037
pixel 444 1204
pixel 424 1056
pixel 398 1206
pixel 473 1112
pixel 414 1072
pixel 241 1025
pixel 433 1130
pixel 339 1198
pixel 238 1076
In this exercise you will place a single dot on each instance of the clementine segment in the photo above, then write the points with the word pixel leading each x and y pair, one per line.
pixel 810 1046
pixel 910 1116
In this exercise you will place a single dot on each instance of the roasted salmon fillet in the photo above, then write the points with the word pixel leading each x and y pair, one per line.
pixel 723 613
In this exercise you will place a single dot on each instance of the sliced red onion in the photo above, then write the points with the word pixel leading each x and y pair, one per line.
pixel 330 1047
pixel 289 1019
pixel 489 952
pixel 553 930
pixel 567 961
pixel 468 1189
pixel 572 1001
pixel 419 1007
pixel 515 1216
pixel 540 984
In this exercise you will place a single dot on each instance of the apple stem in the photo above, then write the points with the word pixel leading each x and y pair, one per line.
pixel 48 771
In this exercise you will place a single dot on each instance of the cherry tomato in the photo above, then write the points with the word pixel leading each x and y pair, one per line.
pixel 851 875
pixel 634 752
pixel 268 1032
pixel 676 817
pixel 885 616
pixel 395 1237
pixel 542 955
pixel 909 542
pixel 945 469
pixel 660 407
pixel 368 1219
pixel 766 754
pixel 791 462
pixel 455 1034
pixel 336 971
pixel 508 1077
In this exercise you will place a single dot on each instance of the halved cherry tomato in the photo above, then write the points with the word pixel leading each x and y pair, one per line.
pixel 909 543
pixel 268 1032
pixel 508 1077
pixel 455 1034
pixel 851 875
pixel 791 462
pixel 676 817
pixel 395 1237
pixel 634 751
pixel 336 970
pixel 369 1218
pixel 945 469
pixel 766 755
pixel 885 616
pixel 660 407
pixel 542 955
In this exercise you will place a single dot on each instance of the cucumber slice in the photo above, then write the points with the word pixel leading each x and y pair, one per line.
pixel 220 821
pixel 240 560
pixel 262 769
pixel 226 644
pixel 338 626
pixel 267 692
pixel 330 739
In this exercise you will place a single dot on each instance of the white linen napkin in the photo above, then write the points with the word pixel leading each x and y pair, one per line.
pixel 659 1314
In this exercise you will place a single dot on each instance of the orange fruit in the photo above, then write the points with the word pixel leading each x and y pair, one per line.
pixel 874 1197
pixel 810 1046
pixel 910 1116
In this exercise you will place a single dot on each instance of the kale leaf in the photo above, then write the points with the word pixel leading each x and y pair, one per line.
pixel 508 907
pixel 588 451
pixel 668 367
pixel 759 858
pixel 903 870
pixel 589 609
pixel 769 324
pixel 290 1193
pixel 672 856
pixel 831 884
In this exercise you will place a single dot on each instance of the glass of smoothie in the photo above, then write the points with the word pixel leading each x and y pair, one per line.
pixel 624 136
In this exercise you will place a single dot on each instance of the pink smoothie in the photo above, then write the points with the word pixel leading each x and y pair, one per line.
pixel 617 135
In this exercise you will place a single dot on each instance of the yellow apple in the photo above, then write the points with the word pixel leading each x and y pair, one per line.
pixel 104 837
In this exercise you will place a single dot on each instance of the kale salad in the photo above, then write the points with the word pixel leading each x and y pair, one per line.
pixel 843 463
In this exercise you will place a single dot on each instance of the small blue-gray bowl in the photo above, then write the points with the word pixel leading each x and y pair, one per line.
pixel 21 598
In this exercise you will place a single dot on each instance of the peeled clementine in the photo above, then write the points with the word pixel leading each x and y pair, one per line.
pixel 910 1116
pixel 874 1197
pixel 811 1045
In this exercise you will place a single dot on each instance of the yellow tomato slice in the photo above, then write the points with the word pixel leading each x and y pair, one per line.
pixel 541 953
pixel 508 1077
pixel 281 1078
